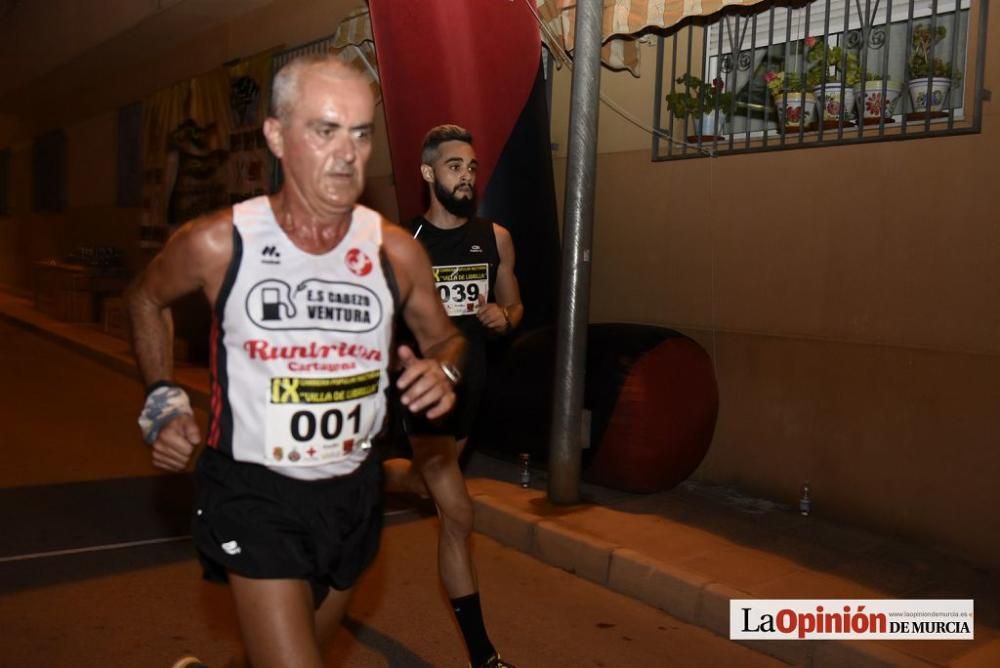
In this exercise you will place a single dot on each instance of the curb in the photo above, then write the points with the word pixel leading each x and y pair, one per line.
pixel 120 363
pixel 689 596
pixel 656 583
pixel 578 553
pixel 508 526
pixel 113 362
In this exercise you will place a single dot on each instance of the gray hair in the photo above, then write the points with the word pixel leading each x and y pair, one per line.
pixel 285 86
pixel 439 135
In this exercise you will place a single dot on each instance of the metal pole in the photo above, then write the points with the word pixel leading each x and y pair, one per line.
pixel 571 345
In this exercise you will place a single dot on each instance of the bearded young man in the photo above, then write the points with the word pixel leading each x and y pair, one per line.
pixel 473 265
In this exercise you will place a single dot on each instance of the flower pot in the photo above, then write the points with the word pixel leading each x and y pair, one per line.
pixel 939 93
pixel 871 103
pixel 836 101
pixel 706 128
pixel 798 109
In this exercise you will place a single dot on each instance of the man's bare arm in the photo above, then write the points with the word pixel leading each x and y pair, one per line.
pixel 424 382
pixel 507 313
pixel 194 258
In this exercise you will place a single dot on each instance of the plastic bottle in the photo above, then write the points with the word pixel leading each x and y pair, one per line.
pixel 805 499
pixel 525 471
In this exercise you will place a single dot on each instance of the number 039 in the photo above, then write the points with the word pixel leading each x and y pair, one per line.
pixel 459 292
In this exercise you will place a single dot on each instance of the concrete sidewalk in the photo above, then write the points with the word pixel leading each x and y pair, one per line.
pixel 687 551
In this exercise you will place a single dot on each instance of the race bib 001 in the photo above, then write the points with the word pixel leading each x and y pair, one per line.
pixel 313 421
pixel 460 287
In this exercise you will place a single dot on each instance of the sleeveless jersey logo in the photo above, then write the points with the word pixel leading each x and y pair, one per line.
pixel 475 248
pixel 314 304
pixel 231 547
pixel 358 262
pixel 270 255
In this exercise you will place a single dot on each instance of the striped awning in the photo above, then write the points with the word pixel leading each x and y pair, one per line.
pixel 353 43
pixel 622 22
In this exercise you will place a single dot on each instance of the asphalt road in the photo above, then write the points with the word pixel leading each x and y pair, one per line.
pixel 96 569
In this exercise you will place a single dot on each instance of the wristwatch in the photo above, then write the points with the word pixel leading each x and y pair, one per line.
pixel 451 372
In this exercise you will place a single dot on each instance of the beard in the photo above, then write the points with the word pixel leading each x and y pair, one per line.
pixel 461 207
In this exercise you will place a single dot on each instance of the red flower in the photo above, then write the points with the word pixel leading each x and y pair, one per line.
pixel 874 104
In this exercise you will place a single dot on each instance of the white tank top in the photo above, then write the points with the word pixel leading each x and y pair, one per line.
pixel 300 347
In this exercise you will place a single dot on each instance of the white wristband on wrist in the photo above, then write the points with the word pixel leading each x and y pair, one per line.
pixel 162 405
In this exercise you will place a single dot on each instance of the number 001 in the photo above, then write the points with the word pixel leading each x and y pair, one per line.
pixel 331 423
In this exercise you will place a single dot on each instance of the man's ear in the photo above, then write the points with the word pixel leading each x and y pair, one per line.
pixel 272 133
pixel 427 172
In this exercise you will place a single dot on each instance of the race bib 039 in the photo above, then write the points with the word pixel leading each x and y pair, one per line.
pixel 460 287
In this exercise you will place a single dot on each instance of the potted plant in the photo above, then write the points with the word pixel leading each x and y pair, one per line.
pixel 795 105
pixel 877 97
pixel 930 78
pixel 705 102
pixel 832 74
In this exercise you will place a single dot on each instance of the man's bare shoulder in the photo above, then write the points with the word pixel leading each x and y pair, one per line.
pixel 501 233
pixel 215 225
pixel 407 256
pixel 505 243
pixel 209 236
pixel 398 241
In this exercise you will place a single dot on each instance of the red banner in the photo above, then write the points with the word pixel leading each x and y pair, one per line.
pixel 468 62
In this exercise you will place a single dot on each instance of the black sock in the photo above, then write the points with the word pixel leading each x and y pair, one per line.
pixel 469 614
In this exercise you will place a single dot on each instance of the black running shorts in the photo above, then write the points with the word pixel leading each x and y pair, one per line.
pixel 469 393
pixel 261 524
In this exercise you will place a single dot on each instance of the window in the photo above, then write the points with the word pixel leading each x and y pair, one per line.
pixel 48 167
pixel 129 182
pixel 789 75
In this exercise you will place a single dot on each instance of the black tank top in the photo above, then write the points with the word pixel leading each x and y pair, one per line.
pixel 465 261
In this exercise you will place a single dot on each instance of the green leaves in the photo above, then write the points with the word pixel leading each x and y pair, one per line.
pixel 694 97
pixel 921 65
pixel 821 57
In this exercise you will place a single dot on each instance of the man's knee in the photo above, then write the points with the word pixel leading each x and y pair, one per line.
pixel 436 459
pixel 437 462
pixel 457 516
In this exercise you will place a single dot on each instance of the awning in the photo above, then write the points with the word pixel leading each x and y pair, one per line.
pixel 623 24
pixel 353 43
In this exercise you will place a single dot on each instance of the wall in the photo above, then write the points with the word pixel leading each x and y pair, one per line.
pixel 849 298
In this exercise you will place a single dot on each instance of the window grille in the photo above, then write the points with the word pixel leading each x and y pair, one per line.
pixel 840 71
